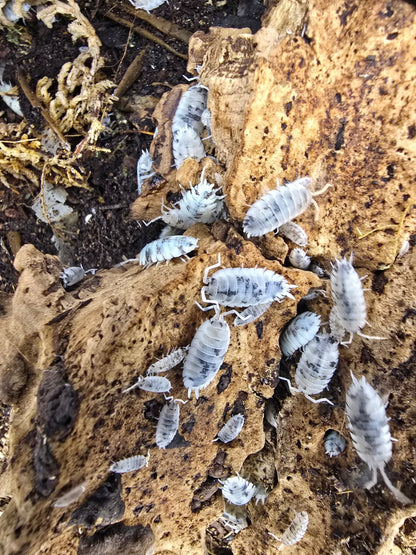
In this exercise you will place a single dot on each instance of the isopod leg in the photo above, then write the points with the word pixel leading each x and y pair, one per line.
pixel 396 492
pixel 345 343
pixel 323 400
pixel 291 388
pixel 208 268
pixel 370 336
pixel 372 482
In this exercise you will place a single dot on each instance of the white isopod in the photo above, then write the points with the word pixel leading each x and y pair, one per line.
pixel 154 384
pixel 167 248
pixel 130 464
pixel 295 531
pixel 144 169
pixel 168 362
pixel 279 206
pixel 299 332
pixel 316 366
pixel 70 496
pixel 231 429
pixel 250 314
pixel 237 490
pixel 186 143
pixel 168 423
pixel 206 354
pixel 299 259
pixel 335 443
pixel 147 5
pixel 335 325
pixel 74 274
pixel 370 432
pixel 244 286
pixel 294 233
pixel 348 296
pixel 190 109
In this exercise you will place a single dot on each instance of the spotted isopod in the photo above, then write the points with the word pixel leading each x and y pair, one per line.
pixel 147 5
pixel 130 464
pixel 154 384
pixel 316 366
pixel 279 206
pixel 168 362
pixel 144 169
pixel 167 248
pixel 234 518
pixel 299 332
pixel 335 443
pixel 251 313
pixel 243 287
pixel 237 490
pixel 295 531
pixel 370 432
pixel 206 354
pixel 231 429
pixel 186 143
pixel 190 109
pixel 348 296
pixel 295 233
pixel 299 259
pixel 168 423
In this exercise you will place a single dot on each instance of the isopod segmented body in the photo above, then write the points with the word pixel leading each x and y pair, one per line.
pixel 154 384
pixel 335 443
pixel 251 313
pixel 299 259
pixel 296 529
pixel 206 354
pixel 316 366
pixel 243 287
pixel 130 464
pixel 237 490
pixel 186 143
pixel 294 233
pixel 277 207
pixel 370 431
pixel 167 248
pixel 168 423
pixel 190 109
pixel 299 332
pixel 168 362
pixel 144 169
pixel 231 429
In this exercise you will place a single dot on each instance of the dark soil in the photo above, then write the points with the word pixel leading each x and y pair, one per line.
pixel 110 234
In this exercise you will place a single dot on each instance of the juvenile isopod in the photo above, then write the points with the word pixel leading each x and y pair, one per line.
pixel 279 206
pixel 250 314
pixel 295 531
pixel 73 275
pixel 335 443
pixel 154 384
pixel 316 367
pixel 237 490
pixel 231 429
pixel 243 287
pixel 299 259
pixel 167 248
pixel 186 143
pixel 168 362
pixel 168 423
pixel 348 295
pixel 370 431
pixel 299 332
pixel 147 5
pixel 144 169
pixel 295 233
pixel 206 354
pixel 130 464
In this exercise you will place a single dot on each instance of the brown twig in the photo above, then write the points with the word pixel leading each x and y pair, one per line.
pixel 143 33
pixel 35 102
pixel 163 25
pixel 131 74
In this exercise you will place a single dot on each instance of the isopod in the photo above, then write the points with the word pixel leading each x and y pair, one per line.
pixel 206 353
pixel 370 432
pixel 295 531
pixel 299 259
pixel 231 429
pixel 244 287
pixel 168 362
pixel 154 384
pixel 190 109
pixel 234 518
pixel 70 496
pixel 147 5
pixel 168 423
pixel 299 332
pixel 237 490
pixel 206 119
pixel 251 313
pixel 186 143
pixel 279 206
pixel 167 248
pixel 335 443
pixel 335 325
pixel 316 366
pixel 295 233
pixel 73 275
pixel 348 296
pixel 144 169
pixel 130 464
